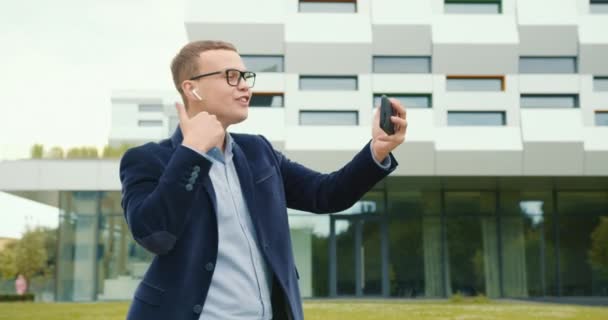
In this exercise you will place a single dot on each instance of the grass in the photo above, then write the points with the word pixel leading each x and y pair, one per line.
pixel 336 309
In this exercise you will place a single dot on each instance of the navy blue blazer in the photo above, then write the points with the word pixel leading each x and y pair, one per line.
pixel 175 219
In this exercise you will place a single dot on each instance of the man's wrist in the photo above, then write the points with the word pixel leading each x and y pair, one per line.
pixel 378 156
pixel 193 146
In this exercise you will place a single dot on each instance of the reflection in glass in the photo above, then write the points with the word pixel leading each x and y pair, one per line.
pixel 472 243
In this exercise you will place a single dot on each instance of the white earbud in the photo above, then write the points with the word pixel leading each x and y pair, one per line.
pixel 196 94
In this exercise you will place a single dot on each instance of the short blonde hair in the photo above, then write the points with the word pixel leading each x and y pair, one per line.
pixel 185 65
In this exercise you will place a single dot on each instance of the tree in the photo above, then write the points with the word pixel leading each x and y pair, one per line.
pixel 110 152
pixel 8 266
pixel 37 151
pixel 82 153
pixel 55 153
pixel 32 255
pixel 598 254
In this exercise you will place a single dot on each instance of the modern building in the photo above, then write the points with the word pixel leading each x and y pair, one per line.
pixel 502 180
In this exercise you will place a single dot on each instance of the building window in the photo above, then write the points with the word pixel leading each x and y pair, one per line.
pixel 263 99
pixel 600 83
pixel 598 6
pixel 476 118
pixel 549 101
pixel 601 118
pixel 329 118
pixel 473 6
pixel 150 123
pixel 407 100
pixel 262 63
pixel 150 108
pixel 397 64
pixel 328 6
pixel 475 83
pixel 329 83
pixel 547 65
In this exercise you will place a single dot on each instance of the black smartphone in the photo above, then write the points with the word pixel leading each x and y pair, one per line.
pixel 386 111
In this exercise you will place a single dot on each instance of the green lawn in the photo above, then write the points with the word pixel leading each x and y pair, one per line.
pixel 334 309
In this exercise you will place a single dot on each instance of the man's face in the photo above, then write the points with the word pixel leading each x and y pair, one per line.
pixel 228 103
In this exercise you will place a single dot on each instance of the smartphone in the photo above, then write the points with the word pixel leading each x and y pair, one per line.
pixel 386 111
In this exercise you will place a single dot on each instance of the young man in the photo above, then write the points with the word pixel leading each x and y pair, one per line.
pixel 212 205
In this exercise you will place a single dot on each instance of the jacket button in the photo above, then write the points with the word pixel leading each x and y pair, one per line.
pixel 209 266
pixel 192 180
pixel 196 168
pixel 197 309
pixel 189 187
pixel 194 174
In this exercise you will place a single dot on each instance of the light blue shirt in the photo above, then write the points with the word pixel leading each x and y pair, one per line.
pixel 241 284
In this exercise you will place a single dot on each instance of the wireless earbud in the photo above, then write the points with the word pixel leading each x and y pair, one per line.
pixel 196 94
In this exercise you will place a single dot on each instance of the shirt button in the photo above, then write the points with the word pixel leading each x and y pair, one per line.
pixel 197 309
pixel 189 187
pixel 209 266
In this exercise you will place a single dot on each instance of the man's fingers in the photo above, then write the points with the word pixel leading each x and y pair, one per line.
pixel 396 104
pixel 181 113
pixel 398 121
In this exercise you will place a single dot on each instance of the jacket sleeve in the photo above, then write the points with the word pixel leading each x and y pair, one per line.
pixel 157 199
pixel 309 190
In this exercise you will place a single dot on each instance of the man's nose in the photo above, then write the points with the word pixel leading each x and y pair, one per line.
pixel 242 85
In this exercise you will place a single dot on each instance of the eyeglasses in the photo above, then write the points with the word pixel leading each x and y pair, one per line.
pixel 233 77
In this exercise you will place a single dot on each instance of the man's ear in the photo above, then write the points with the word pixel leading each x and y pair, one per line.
pixel 187 88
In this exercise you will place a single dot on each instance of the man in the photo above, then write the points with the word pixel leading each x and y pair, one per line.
pixel 212 205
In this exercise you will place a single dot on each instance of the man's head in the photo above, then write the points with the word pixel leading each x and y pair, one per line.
pixel 206 74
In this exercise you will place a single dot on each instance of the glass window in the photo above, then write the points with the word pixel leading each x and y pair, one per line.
pixel 472 243
pixel 329 118
pixel 601 118
pixel 150 108
pixel 599 6
pixel 547 65
pixel 328 6
pixel 150 123
pixel 472 6
pixel 528 244
pixel 328 83
pixel 474 84
pixel 583 220
pixel 266 100
pixel 549 101
pixel 408 100
pixel 415 244
pixel 77 252
pixel 261 63
pixel 396 64
pixel 476 118
pixel 600 83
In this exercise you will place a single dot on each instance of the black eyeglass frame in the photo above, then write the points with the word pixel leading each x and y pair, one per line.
pixel 242 75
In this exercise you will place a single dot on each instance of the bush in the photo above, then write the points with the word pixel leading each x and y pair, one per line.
pixel 16 297
pixel 459 298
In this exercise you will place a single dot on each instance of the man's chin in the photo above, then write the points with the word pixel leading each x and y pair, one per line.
pixel 239 118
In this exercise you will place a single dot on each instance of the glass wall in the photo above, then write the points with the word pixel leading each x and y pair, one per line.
pixel 409 237
pixel 579 217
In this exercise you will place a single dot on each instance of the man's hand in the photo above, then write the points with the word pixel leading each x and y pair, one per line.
pixel 383 144
pixel 201 132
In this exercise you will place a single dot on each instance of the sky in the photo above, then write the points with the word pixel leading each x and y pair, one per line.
pixel 59 63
